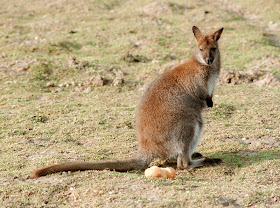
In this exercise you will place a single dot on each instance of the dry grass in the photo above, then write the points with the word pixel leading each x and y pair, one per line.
pixel 132 41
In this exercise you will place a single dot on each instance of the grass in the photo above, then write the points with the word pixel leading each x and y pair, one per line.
pixel 71 42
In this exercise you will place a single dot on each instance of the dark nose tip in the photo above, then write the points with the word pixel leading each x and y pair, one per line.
pixel 209 60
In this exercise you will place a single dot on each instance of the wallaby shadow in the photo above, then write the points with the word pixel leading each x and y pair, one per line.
pixel 244 158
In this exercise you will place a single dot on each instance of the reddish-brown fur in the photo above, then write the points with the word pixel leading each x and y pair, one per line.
pixel 155 106
pixel 168 119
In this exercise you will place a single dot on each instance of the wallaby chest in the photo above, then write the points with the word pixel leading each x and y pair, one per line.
pixel 211 82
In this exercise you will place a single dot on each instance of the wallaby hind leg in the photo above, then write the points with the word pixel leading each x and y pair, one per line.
pixel 190 137
pixel 198 128
pixel 185 161
pixel 173 161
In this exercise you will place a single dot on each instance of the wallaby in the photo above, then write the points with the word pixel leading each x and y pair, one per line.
pixel 169 115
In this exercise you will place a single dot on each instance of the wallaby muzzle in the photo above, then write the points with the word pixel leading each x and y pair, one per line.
pixel 209 61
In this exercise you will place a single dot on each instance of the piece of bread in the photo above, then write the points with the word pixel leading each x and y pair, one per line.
pixel 157 172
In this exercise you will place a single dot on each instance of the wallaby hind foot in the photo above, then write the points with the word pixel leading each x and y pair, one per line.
pixel 198 163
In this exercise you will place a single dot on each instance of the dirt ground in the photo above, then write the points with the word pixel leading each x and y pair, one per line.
pixel 72 72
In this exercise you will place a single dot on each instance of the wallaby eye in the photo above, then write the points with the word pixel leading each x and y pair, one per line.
pixel 201 49
pixel 213 49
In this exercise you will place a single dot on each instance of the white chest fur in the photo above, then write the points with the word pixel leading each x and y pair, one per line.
pixel 212 81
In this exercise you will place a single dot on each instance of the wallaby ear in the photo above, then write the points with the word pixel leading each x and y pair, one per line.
pixel 216 35
pixel 197 33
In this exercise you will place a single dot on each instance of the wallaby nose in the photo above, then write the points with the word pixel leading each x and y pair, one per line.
pixel 209 60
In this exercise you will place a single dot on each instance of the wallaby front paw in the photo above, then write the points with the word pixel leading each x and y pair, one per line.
pixel 209 102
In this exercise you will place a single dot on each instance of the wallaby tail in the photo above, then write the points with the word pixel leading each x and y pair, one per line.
pixel 117 165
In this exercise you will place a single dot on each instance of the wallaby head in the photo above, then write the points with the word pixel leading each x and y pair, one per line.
pixel 207 49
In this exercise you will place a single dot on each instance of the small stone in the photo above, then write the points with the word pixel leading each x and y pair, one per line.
pixel 87 90
pixel 44 189
pixel 111 192
pixel 50 84
pixel 83 64
pixel 79 89
pixel 155 61
pixel 118 81
pixel 119 72
pixel 23 68
pixel 4 55
pixel 99 81
pixel 74 83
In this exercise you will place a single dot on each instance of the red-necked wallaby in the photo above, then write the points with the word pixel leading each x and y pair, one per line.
pixel 169 115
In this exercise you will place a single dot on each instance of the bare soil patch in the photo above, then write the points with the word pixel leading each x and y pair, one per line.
pixel 257 77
